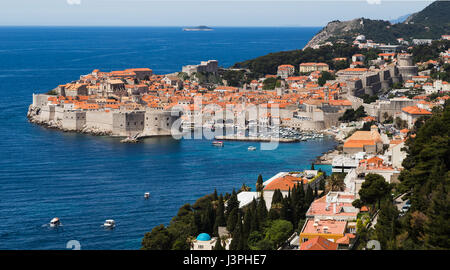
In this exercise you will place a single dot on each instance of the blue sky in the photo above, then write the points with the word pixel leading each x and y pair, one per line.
pixel 203 12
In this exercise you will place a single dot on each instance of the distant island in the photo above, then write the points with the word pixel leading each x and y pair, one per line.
pixel 198 28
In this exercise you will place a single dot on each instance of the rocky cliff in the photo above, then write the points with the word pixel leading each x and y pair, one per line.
pixel 336 29
pixel 431 22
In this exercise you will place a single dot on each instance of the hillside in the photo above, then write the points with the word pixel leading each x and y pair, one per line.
pixel 432 22
pixel 267 64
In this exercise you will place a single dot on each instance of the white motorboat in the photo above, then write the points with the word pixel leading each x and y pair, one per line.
pixel 251 148
pixel 55 222
pixel 217 143
pixel 109 223
pixel 147 195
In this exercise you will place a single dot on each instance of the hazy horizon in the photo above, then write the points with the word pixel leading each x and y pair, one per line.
pixel 214 13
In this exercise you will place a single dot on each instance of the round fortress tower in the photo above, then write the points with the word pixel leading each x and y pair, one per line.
pixel 406 67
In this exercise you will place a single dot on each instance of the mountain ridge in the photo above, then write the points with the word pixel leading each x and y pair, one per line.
pixel 431 22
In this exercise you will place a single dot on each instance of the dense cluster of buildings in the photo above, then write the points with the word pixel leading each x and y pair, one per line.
pixel 137 103
pixel 331 220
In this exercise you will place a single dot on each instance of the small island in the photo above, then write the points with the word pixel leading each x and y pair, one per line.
pixel 198 28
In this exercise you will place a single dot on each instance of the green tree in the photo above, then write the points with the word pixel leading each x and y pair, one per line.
pixel 324 77
pixel 336 182
pixel 374 189
pixel 232 219
pixel 218 245
pixel 259 184
pixel 157 239
pixel 220 215
pixel 262 211
pixel 387 225
pixel 279 231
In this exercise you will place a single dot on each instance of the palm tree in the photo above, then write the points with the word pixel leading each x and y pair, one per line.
pixel 335 182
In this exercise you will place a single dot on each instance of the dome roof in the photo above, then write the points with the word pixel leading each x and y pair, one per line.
pixel 203 237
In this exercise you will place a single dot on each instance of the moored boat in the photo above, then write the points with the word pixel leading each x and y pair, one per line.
pixel 109 223
pixel 55 222
pixel 217 143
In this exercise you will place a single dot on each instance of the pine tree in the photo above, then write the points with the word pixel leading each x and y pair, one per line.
pixel 437 233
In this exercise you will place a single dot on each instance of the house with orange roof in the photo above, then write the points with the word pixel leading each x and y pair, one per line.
pixel 334 205
pixel 379 166
pixel 311 67
pixel 286 181
pixel 332 230
pixel 411 113
pixel 364 141
pixel 318 243
pixel 284 71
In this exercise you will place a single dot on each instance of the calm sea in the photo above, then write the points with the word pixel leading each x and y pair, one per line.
pixel 83 179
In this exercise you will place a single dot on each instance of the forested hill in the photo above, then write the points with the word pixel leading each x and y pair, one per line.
pixel 426 175
pixel 267 64
pixel 432 22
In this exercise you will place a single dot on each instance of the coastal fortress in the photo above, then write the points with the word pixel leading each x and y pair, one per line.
pixel 104 104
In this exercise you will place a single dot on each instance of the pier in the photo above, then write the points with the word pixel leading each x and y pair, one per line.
pixel 256 139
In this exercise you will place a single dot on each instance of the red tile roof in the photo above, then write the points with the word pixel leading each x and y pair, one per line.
pixel 318 243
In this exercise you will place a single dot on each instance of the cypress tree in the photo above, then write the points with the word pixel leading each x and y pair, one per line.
pixel 259 183
pixel 247 223
pixel 218 245
pixel 309 197
pixel 277 197
pixel 254 224
pixel 262 210
pixel 236 242
pixel 232 203
pixel 220 215
pixel 231 221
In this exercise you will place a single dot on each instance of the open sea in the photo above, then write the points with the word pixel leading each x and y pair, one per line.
pixel 84 179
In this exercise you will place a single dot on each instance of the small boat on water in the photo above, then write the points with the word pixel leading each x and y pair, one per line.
pixel 55 222
pixel 251 148
pixel 147 195
pixel 217 143
pixel 109 223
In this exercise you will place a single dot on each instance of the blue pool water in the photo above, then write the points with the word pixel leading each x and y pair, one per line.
pixel 84 179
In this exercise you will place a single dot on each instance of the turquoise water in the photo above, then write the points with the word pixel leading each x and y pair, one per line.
pixel 84 179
